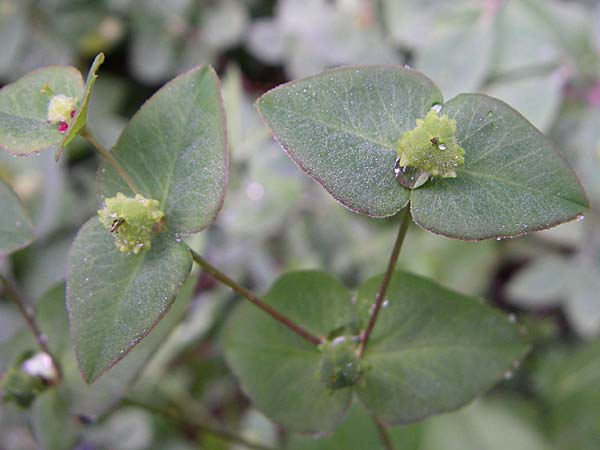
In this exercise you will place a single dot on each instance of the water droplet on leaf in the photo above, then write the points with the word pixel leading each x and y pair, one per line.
pixel 409 177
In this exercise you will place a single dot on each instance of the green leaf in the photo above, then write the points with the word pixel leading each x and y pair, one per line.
pixel 484 425
pixel 114 299
pixel 280 371
pixel 542 283
pixel 513 181
pixel 457 57
pixel 175 150
pixel 15 227
pixel 24 129
pixel 342 127
pixel 96 399
pixel 54 426
pixel 432 350
pixel 567 380
pixel 79 121
pixel 358 431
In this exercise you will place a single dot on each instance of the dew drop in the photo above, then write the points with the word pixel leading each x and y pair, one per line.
pixel 407 66
pixel 385 303
pixel 579 217
pixel 442 147
pixel 437 107
pixel 512 318
pixel 508 375
pixel 409 177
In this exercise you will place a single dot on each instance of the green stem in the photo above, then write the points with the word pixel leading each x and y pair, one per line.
pixel 88 136
pixel 248 295
pixel 404 221
pixel 197 426
pixel 384 435
pixel 11 293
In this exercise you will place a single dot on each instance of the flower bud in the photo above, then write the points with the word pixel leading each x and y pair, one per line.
pixel 60 109
pixel 132 221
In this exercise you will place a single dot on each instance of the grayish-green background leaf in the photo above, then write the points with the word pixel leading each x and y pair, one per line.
pixel 485 425
pixel 115 299
pixel 15 227
pixel 567 379
pixel 341 128
pixel 459 57
pixel 541 283
pixel 175 150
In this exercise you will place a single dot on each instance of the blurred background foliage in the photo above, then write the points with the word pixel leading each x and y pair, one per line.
pixel 541 56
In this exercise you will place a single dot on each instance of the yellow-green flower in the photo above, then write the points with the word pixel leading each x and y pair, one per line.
pixel 431 146
pixel 132 221
pixel 61 108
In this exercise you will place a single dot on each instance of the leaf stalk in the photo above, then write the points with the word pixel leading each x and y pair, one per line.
pixel 107 155
pixel 250 296
pixel 11 293
pixel 380 299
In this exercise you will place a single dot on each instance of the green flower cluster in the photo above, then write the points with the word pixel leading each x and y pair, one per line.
pixel 432 146
pixel 340 365
pixel 133 221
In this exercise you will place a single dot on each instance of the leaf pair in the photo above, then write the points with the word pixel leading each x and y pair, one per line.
pixel 432 350
pixel 342 128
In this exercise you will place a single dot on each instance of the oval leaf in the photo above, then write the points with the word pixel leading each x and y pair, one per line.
pixel 279 370
pixel 513 181
pixel 114 300
pixel 15 228
pixel 23 109
pixel 341 128
pixel 175 150
pixel 432 350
